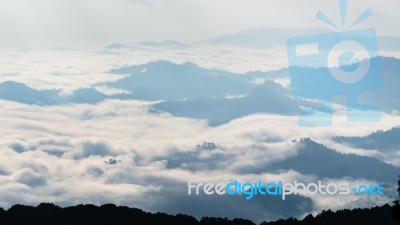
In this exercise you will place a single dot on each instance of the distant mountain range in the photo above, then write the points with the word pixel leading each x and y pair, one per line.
pixel 158 44
pixel 265 37
pixel 188 90
pixel 317 159
pixel 272 98
pixel 18 92
pixel 163 80
pixel 312 158
pixel 388 140
pixel 268 98
pixel 255 38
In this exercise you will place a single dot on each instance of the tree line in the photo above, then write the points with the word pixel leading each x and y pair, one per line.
pixel 50 214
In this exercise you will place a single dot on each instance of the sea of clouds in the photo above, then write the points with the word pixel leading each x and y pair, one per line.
pixel 62 153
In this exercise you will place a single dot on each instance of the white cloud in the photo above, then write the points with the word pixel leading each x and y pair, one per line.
pixel 124 130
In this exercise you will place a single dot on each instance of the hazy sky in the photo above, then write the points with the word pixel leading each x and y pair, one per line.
pixel 86 23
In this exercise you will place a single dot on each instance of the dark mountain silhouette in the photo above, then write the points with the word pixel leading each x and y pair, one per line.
pixel 377 215
pixel 205 103
pixel 258 208
pixel 396 202
pixel 380 140
pixel 188 90
pixel 318 159
pixel 19 92
pixel 50 214
pixel 167 81
pixel 268 98
pixel 396 213
pixel 163 80
pixel 268 75
pixel 84 95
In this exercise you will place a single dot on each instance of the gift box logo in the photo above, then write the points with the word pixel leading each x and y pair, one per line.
pixel 343 62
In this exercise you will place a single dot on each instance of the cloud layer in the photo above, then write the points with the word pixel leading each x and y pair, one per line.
pixel 122 151
pixel 61 158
